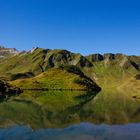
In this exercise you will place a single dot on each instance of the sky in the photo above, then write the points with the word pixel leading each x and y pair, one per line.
pixel 80 26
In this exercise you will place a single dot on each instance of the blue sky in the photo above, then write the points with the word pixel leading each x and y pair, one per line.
pixel 84 26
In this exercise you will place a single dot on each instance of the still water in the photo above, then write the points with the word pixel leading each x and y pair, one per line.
pixel 57 115
pixel 83 131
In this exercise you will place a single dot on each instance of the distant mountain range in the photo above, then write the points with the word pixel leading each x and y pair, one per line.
pixel 52 58
pixel 38 60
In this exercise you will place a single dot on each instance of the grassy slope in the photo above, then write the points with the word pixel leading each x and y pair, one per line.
pixel 21 63
pixel 109 75
pixel 31 62
pixel 54 79
pixel 113 77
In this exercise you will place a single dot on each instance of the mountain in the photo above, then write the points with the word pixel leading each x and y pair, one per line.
pixel 123 61
pixel 39 60
pixel 107 70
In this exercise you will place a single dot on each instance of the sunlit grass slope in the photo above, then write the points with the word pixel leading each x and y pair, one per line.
pixel 58 79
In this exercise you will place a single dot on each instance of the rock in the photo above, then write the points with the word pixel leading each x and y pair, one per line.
pixel 7 90
pixel 83 62
pixel 96 57
pixel 125 63
pixel 6 52
pixel 63 57
pixel 109 56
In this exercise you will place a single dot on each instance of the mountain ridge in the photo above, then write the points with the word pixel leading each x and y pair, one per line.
pixel 35 48
pixel 38 60
pixel 103 69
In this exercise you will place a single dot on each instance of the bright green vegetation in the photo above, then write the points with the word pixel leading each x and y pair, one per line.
pixel 117 72
pixel 111 75
pixel 57 79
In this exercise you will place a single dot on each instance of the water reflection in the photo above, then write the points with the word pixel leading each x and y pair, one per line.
pixel 60 109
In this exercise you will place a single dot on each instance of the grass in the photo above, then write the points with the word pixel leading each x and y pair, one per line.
pixel 56 79
pixel 110 75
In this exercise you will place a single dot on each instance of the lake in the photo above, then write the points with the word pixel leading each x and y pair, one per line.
pixel 70 115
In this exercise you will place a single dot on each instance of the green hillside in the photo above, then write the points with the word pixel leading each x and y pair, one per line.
pixel 108 71
pixel 111 71
pixel 40 60
pixel 58 79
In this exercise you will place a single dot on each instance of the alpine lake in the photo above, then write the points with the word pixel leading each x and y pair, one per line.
pixel 70 115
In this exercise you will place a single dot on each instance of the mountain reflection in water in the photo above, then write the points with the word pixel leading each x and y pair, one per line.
pixel 62 113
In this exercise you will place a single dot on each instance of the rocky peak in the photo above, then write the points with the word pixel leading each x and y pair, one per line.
pixel 5 52
pixel 109 56
pixel 97 57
